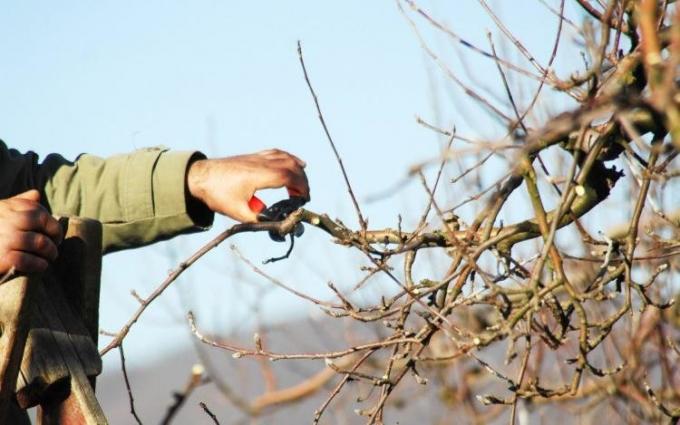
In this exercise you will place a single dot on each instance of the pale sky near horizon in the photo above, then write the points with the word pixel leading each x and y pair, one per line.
pixel 223 77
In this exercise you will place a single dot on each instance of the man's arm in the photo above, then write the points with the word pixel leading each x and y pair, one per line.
pixel 151 194
pixel 139 197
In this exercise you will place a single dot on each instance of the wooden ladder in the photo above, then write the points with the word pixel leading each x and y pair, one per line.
pixel 48 343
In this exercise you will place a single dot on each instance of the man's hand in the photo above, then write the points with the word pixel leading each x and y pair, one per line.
pixel 226 185
pixel 29 235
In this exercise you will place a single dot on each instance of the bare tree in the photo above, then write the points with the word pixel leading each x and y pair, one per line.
pixel 559 310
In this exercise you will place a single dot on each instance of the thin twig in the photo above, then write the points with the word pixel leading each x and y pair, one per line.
pixel 208 412
pixel 196 379
pixel 243 352
pixel 127 384
pixel 362 221
pixel 282 227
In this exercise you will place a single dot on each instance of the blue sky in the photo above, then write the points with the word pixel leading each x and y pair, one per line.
pixel 223 77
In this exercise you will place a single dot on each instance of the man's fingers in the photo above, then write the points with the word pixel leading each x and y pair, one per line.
pixel 297 160
pixel 300 188
pixel 37 219
pixel 28 234
pixel 53 229
pixel 29 195
pixel 17 204
pixel 34 243
pixel 283 155
pixel 24 262
pixel 295 182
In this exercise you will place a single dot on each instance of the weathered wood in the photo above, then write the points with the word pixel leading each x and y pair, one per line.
pixel 48 351
pixel 78 352
pixel 67 298
pixel 43 371
pixel 75 301
pixel 79 269
pixel 58 342
pixel 15 299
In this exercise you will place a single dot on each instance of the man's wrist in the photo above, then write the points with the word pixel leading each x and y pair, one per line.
pixel 195 178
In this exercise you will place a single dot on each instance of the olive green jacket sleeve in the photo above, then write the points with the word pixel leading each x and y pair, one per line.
pixel 139 197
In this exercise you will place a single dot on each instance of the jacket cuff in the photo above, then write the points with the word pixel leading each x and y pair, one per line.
pixel 173 205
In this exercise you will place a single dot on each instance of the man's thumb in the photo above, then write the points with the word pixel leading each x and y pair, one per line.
pixel 247 212
pixel 245 215
pixel 30 195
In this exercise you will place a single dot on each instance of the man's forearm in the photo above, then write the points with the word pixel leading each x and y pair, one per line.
pixel 140 197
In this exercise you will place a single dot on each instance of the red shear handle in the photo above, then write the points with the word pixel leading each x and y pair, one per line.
pixel 256 205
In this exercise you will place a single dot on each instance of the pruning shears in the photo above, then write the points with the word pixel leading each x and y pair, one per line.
pixel 278 212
